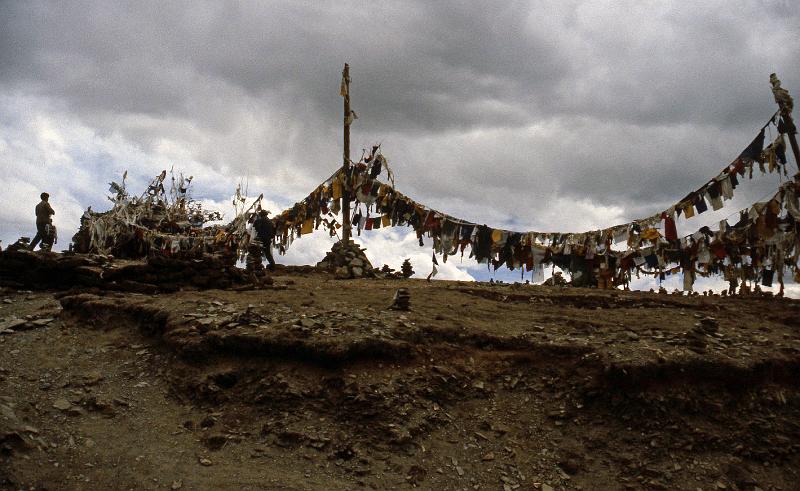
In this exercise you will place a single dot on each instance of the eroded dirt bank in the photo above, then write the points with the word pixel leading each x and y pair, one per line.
pixel 319 386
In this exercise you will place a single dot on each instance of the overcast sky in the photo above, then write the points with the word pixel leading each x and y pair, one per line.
pixel 528 115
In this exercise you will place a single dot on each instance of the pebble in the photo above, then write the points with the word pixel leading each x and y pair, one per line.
pixel 204 461
pixel 62 404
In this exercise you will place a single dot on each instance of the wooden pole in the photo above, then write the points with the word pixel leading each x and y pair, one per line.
pixel 345 91
pixel 786 104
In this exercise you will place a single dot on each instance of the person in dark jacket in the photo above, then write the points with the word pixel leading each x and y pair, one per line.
pixel 265 232
pixel 43 213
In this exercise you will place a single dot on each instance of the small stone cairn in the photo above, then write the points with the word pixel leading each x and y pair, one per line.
pixel 253 261
pixel 401 300
pixel 696 338
pixel 255 266
pixel 406 269
pixel 347 260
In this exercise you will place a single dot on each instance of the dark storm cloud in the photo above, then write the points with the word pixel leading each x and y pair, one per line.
pixel 417 65
pixel 500 105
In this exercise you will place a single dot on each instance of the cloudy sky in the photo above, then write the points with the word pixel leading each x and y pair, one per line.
pixel 551 116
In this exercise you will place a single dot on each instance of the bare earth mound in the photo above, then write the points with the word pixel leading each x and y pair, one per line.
pixel 314 384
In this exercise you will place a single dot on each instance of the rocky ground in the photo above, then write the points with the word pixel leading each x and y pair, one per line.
pixel 312 383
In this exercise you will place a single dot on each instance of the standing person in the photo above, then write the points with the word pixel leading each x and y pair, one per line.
pixel 265 232
pixel 43 213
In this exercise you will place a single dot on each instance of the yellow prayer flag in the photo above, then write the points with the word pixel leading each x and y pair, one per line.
pixel 337 188
pixel 308 226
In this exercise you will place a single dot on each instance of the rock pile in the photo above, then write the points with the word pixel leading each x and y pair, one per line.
pixel 556 280
pixel 253 260
pixel 255 266
pixel 402 300
pixel 25 269
pixel 388 273
pixel 406 269
pixel 696 338
pixel 21 243
pixel 347 260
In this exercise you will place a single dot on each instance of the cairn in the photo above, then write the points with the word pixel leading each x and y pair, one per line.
pixel 347 260
pixel 253 262
pixel 23 243
pixel 255 266
pixel 406 269
pixel 707 326
pixel 389 273
pixel 401 300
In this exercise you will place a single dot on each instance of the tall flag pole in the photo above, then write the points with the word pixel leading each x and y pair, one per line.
pixel 344 91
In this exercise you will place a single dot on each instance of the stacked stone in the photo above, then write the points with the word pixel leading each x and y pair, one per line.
pixel 556 280
pixel 347 260
pixel 255 266
pixel 696 338
pixel 406 269
pixel 389 273
pixel 253 262
pixel 401 300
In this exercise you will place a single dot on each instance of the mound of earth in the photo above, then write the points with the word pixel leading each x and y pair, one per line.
pixel 316 384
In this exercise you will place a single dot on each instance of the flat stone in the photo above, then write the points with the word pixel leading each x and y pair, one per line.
pixel 62 404
pixel 12 324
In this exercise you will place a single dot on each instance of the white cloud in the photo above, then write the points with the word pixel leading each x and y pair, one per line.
pixel 392 246
pixel 715 283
